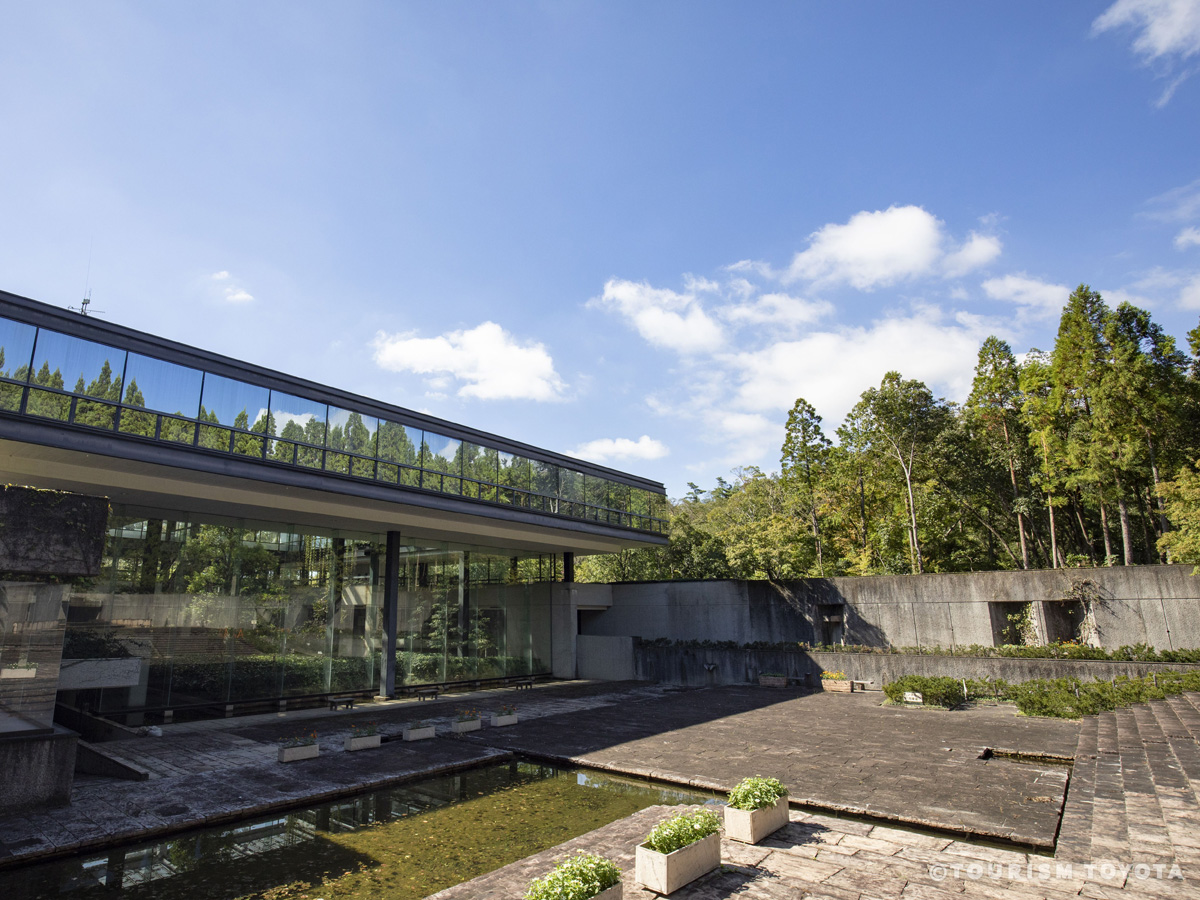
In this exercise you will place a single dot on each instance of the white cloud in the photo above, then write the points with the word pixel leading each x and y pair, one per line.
pixel 231 292
pixel 1189 237
pixel 979 250
pixel 776 309
pixel 1038 299
pixel 1181 204
pixel 1189 296
pixel 493 364
pixel 603 449
pixel 663 317
pixel 1169 28
pixel 871 250
pixel 1168 33
pixel 831 369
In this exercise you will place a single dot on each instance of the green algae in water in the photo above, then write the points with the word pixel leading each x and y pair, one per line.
pixel 403 843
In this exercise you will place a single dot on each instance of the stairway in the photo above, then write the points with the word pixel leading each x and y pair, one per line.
pixel 1134 795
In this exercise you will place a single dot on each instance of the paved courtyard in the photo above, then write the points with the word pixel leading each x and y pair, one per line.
pixel 868 776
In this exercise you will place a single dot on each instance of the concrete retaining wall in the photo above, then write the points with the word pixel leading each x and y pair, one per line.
pixel 605 658
pixel 697 667
pixel 1156 605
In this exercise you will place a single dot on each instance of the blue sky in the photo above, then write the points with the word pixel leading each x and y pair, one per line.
pixel 632 231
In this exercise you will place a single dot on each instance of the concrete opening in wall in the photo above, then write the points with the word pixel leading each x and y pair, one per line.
pixel 1065 620
pixel 831 624
pixel 1012 623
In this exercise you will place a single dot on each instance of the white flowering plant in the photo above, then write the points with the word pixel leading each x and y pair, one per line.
pixel 669 836
pixel 576 878
pixel 756 792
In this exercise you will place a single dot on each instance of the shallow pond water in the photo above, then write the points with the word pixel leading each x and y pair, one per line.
pixel 402 843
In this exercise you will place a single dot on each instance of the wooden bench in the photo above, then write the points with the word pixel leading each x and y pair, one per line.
pixel 523 683
pixel 428 693
pixel 859 685
pixel 336 703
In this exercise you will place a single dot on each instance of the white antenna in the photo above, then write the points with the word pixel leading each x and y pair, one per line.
pixel 82 309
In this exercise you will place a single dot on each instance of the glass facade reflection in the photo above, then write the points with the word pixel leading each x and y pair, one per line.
pixel 219 613
pixel 46 374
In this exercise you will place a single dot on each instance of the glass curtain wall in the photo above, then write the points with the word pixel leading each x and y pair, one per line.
pixel 220 613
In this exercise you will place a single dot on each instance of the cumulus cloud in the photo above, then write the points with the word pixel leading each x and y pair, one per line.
pixel 231 292
pixel 603 449
pixel 977 251
pixel 1037 299
pixel 1189 295
pixel 492 363
pixel 776 309
pixel 830 369
pixel 1189 237
pixel 1167 33
pixel 873 249
pixel 663 317
pixel 881 248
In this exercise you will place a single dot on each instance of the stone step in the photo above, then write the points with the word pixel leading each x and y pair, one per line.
pixel 1185 708
pixel 1110 833
pixel 1075 831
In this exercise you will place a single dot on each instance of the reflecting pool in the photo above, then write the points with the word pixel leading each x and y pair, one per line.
pixel 404 842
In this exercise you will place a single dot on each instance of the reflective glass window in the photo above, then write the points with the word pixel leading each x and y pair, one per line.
pixel 514 473
pixel 300 424
pixel 479 469
pixel 225 401
pixel 16 346
pixel 399 453
pixel 442 461
pixel 155 384
pixel 595 491
pixel 83 367
pixel 618 499
pixel 353 435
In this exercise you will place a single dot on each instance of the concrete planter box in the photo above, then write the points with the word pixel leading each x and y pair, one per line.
pixel 839 685
pixel 773 680
pixel 667 872
pixel 612 893
pixel 18 673
pixel 304 751
pixel 82 674
pixel 418 734
pixel 469 725
pixel 752 825
pixel 501 721
pixel 365 742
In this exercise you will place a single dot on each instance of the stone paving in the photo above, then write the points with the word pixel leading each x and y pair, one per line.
pixel 1130 826
pixel 840 752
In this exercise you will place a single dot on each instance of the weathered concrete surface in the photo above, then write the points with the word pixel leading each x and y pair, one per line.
pixel 37 770
pixel 1158 605
pixel 840 752
pixel 50 532
pixel 605 658
pixel 702 667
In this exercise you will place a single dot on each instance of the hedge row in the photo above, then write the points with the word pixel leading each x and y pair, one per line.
pixel 1063 698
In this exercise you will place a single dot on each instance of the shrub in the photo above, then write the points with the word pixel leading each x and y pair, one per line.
pixel 945 692
pixel 669 836
pixel 577 878
pixel 756 792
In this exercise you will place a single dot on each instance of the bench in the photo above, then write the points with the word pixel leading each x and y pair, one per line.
pixel 523 683
pixel 428 693
pixel 859 685
pixel 336 703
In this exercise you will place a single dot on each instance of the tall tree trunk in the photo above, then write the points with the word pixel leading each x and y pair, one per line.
pixel 1087 538
pixel 1148 534
pixel 1108 553
pixel 1126 531
pixel 1053 535
pixel 1163 524
pixel 1012 474
pixel 914 542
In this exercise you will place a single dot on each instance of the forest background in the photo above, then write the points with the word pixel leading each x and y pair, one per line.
pixel 1085 455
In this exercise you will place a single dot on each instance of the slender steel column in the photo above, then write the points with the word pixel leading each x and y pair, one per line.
pixel 568 567
pixel 391 608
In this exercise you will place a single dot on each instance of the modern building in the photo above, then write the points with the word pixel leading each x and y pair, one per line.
pixel 269 537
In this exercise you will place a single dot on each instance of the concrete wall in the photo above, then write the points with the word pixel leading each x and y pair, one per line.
pixel 605 658
pixel 1156 605
pixel 50 532
pixel 38 770
pixel 697 667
